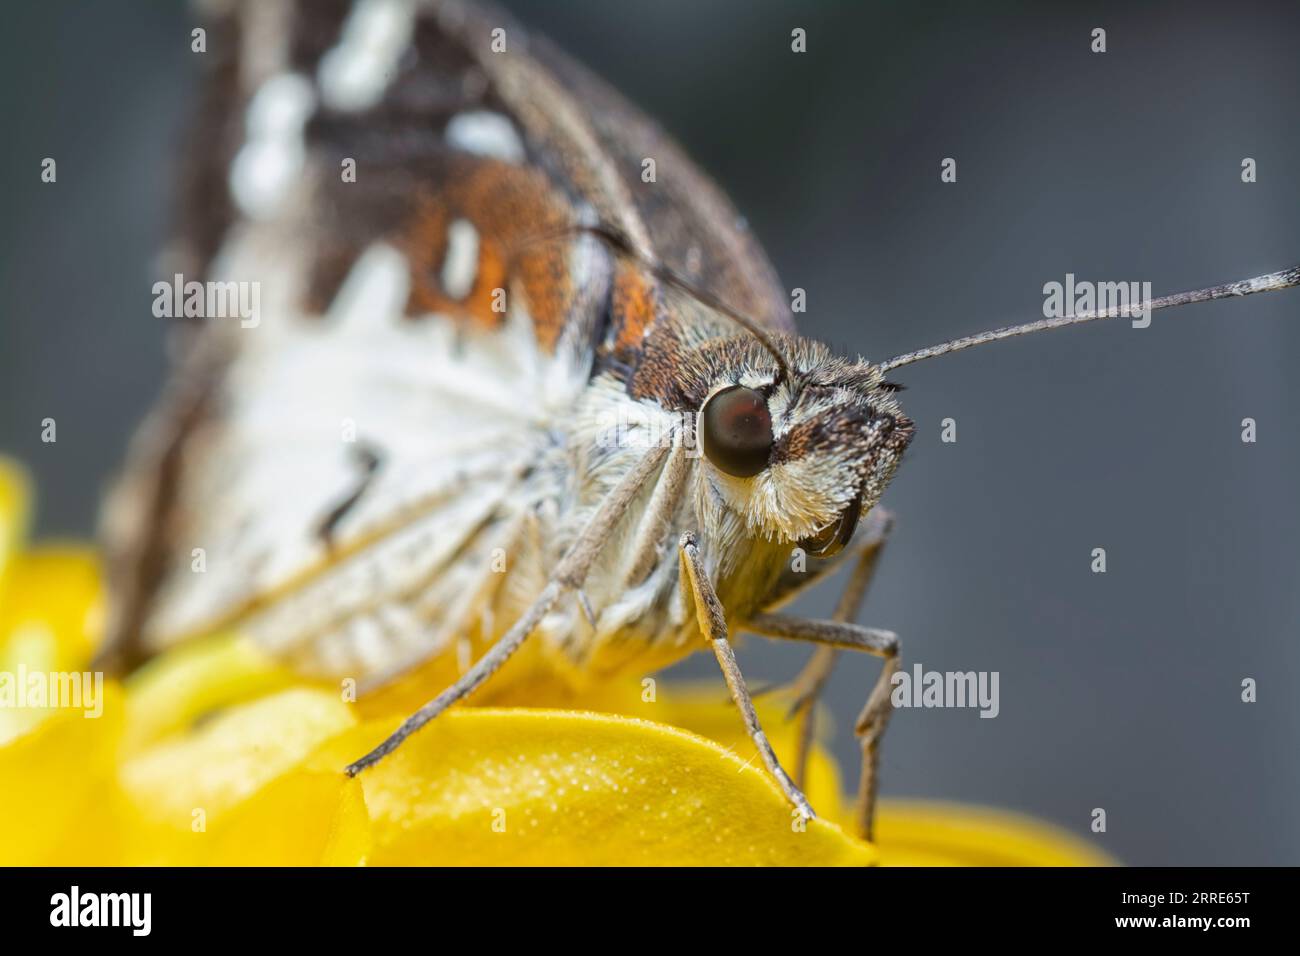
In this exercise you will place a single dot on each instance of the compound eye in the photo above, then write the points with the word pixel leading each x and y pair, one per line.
pixel 833 538
pixel 736 431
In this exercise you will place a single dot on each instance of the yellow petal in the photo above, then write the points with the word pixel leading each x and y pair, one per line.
pixel 190 780
pixel 527 787
pixel 196 678
pixel 920 833
pixel 300 819
pixel 58 797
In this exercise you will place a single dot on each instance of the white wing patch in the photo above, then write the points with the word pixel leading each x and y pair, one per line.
pixel 354 74
pixel 454 417
pixel 272 157
pixel 485 134
pixel 460 265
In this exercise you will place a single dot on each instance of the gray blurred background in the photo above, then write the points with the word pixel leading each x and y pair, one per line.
pixel 1119 690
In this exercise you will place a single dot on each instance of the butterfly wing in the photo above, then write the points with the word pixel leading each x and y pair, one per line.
pixel 387 185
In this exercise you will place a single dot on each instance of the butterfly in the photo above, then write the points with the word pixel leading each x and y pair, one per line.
pixel 507 402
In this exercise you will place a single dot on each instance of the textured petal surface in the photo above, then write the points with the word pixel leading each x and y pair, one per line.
pixel 523 787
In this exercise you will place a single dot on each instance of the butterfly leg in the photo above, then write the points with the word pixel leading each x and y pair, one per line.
pixel 569 576
pixel 811 680
pixel 713 622
pixel 871 723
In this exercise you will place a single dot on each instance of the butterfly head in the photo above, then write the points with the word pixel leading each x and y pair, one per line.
pixel 800 453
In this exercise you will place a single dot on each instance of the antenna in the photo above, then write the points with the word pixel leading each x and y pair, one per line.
pixel 1272 282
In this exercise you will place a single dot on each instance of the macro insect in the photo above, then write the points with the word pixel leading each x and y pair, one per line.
pixel 504 402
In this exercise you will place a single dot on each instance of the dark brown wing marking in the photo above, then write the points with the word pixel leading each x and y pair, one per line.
pixel 694 228
pixel 137 513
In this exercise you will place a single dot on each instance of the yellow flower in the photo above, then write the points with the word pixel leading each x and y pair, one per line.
pixel 213 754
